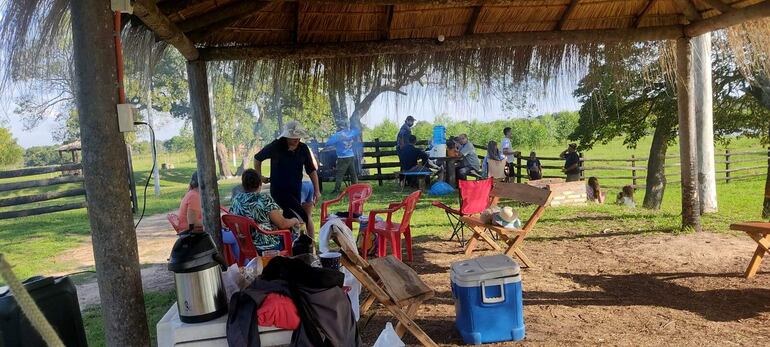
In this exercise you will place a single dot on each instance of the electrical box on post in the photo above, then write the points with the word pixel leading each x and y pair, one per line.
pixel 122 6
pixel 126 117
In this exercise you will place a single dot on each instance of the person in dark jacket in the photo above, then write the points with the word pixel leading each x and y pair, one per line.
pixel 288 156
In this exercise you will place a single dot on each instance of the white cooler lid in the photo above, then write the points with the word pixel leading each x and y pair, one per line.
pixel 485 268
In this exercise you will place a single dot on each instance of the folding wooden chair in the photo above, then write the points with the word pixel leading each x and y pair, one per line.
pixel 474 199
pixel 513 238
pixel 760 233
pixel 390 282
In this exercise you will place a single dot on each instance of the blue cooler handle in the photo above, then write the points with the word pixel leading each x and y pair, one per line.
pixel 490 283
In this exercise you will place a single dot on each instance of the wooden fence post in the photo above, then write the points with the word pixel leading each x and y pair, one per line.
pixel 377 156
pixel 580 167
pixel 633 170
pixel 518 167
pixel 727 165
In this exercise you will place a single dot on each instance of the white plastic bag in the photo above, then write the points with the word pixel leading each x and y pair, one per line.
pixel 231 279
pixel 388 338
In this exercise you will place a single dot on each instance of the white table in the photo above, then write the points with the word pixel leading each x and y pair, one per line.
pixel 173 332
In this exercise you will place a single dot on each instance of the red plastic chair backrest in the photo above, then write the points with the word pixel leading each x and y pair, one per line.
pixel 410 203
pixel 357 195
pixel 241 228
pixel 474 195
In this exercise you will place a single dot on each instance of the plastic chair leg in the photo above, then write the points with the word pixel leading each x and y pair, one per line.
pixel 395 244
pixel 408 240
pixel 382 246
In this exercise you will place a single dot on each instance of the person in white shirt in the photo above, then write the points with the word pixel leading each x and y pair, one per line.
pixel 508 152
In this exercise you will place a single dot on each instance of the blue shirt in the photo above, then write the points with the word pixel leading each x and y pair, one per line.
pixel 343 142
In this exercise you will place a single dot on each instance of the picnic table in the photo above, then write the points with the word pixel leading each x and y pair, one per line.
pixel 422 177
pixel 760 233
pixel 449 164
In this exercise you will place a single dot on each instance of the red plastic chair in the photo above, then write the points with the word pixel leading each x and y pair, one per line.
pixel 389 231
pixel 474 199
pixel 241 227
pixel 173 219
pixel 357 195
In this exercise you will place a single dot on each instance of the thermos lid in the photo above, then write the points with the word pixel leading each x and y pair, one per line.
pixel 192 252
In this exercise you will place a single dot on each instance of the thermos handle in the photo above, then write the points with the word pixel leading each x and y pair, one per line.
pixel 494 299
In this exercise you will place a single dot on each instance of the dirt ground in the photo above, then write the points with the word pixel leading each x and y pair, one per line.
pixel 608 288
pixel 630 290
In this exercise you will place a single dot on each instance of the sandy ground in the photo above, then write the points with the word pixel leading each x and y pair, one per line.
pixel 155 238
pixel 608 288
pixel 684 290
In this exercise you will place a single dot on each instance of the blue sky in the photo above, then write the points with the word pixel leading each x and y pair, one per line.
pixel 388 106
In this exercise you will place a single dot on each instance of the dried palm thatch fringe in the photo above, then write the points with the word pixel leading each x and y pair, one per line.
pixel 30 27
pixel 28 306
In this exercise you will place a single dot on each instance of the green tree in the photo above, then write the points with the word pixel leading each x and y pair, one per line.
pixel 42 156
pixel 10 151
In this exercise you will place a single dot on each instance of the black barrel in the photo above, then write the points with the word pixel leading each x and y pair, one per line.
pixel 57 298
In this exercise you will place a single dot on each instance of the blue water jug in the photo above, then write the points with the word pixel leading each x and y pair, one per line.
pixel 439 135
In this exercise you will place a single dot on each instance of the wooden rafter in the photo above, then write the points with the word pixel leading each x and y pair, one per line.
pixel 297 14
pixel 473 23
pixel 200 27
pixel 719 5
pixel 647 7
pixel 388 22
pixel 150 15
pixel 738 16
pixel 417 46
pixel 567 14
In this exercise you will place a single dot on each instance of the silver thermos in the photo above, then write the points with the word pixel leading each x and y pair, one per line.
pixel 200 293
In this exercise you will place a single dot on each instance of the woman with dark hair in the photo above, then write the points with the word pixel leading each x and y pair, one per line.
pixel 190 212
pixel 493 156
pixel 262 209
pixel 594 191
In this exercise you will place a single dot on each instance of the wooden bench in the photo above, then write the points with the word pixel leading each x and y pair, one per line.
pixel 513 238
pixel 760 233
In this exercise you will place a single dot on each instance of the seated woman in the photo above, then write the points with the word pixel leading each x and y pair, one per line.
pixel 626 197
pixel 594 192
pixel 190 212
pixel 262 209
pixel 534 168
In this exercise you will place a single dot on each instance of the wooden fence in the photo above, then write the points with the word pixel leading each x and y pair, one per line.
pixel 70 175
pixel 382 163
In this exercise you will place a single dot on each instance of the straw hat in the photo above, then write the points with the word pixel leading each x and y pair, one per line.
pixel 293 130
pixel 508 218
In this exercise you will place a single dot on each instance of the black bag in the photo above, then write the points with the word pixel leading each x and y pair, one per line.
pixel 57 299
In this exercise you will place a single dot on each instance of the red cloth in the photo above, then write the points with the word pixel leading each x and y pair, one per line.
pixel 278 311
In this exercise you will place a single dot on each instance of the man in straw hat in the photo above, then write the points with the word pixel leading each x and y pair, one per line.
pixel 288 156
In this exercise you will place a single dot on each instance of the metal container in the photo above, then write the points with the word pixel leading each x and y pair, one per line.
pixel 200 292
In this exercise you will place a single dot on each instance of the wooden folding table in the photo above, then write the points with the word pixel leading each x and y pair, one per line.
pixel 760 233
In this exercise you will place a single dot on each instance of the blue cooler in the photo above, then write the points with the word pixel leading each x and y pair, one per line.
pixel 487 294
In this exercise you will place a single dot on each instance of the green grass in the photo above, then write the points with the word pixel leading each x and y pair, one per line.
pixel 156 304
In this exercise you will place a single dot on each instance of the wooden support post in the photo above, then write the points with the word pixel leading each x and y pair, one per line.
pixel 105 163
pixel 377 156
pixel 580 167
pixel 633 170
pixel 518 167
pixel 727 165
pixel 704 123
pixel 687 138
pixel 204 152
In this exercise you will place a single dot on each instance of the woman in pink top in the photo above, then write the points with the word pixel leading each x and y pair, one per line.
pixel 190 215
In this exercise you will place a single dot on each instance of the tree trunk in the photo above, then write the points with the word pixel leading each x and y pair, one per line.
pixel 766 204
pixel 224 165
pixel 105 165
pixel 656 170
pixel 687 141
pixel 704 123
pixel 338 107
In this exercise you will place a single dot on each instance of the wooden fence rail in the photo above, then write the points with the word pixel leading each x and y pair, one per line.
pixel 72 176
pixel 632 170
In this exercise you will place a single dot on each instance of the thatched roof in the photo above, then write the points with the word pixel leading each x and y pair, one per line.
pixel 353 41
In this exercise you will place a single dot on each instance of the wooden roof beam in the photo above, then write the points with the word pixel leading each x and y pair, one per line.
pixel 417 46
pixel 388 22
pixel 153 18
pixel 719 5
pixel 473 23
pixel 200 27
pixel 689 10
pixel 567 13
pixel 641 15
pixel 725 20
